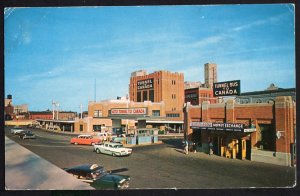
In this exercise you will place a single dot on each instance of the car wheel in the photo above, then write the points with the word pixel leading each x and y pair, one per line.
pixel 75 143
pixel 98 151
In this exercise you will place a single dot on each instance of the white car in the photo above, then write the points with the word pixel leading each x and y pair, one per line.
pixel 16 130
pixel 114 149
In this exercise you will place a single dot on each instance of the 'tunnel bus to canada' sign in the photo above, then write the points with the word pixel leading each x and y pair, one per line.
pixel 228 88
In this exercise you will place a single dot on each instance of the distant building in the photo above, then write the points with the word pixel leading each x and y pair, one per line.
pixel 210 74
pixel 188 85
pixel 19 109
pixel 266 96
pixel 46 115
pixel 197 95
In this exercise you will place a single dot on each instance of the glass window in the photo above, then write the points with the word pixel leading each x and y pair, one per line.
pixel 155 112
pixel 98 113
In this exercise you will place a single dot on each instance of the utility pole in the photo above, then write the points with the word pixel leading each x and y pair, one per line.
pixel 80 111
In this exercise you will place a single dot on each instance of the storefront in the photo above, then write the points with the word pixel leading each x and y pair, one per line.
pixel 224 139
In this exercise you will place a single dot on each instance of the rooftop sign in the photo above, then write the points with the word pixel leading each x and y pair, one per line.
pixel 228 88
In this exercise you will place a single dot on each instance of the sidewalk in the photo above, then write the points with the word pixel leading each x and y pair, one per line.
pixel 25 170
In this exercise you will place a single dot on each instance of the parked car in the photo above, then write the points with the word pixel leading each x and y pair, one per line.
pixel 27 135
pixel 98 177
pixel 111 148
pixel 16 130
pixel 85 139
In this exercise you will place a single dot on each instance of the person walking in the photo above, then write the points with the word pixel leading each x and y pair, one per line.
pixel 210 148
pixel 186 147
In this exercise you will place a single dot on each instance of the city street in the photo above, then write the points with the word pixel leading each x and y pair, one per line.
pixel 162 165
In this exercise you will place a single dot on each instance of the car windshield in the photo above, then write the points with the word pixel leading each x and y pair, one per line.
pixel 99 172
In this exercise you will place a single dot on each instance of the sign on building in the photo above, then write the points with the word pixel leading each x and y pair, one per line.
pixel 145 84
pixel 129 111
pixel 228 88
pixel 218 126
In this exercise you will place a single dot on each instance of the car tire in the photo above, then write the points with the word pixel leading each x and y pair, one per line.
pixel 98 151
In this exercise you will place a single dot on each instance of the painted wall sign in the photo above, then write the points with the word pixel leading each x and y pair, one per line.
pixel 145 84
pixel 228 88
pixel 129 111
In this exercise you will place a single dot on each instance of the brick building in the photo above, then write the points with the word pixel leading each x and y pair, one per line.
pixel 210 74
pixel 258 131
pixel 47 115
pixel 159 86
pixel 197 95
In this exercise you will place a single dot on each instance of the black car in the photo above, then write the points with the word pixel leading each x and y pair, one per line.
pixel 26 135
pixel 98 177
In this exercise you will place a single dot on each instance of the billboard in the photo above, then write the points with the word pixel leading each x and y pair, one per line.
pixel 227 88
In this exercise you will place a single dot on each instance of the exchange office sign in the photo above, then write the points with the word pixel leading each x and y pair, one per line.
pixel 218 126
pixel 145 84
pixel 228 88
pixel 129 111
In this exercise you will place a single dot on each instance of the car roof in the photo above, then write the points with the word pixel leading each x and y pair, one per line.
pixel 112 143
pixel 85 167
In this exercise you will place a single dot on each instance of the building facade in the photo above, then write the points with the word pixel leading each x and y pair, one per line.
pixel 261 132
pixel 159 86
pixel 197 95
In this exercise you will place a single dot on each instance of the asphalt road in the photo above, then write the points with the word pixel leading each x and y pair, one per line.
pixel 162 165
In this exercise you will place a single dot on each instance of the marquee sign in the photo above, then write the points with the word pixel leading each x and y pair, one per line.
pixel 218 126
pixel 228 88
pixel 129 111
pixel 145 84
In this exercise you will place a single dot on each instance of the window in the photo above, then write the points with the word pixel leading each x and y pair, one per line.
pixel 98 113
pixel 151 95
pixel 173 115
pixel 139 96
pixel 97 128
pixel 81 128
pixel 145 97
pixel 155 112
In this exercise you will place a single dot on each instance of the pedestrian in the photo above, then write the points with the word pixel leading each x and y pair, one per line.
pixel 186 147
pixel 210 148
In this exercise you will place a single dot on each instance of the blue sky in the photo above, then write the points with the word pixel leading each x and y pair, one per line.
pixel 58 53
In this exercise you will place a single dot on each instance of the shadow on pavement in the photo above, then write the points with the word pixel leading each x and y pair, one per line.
pixel 119 170
pixel 173 143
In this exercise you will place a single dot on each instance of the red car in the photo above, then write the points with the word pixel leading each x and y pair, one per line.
pixel 85 139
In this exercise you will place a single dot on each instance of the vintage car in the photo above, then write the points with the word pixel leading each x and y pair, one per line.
pixel 111 148
pixel 98 177
pixel 16 130
pixel 85 139
pixel 27 135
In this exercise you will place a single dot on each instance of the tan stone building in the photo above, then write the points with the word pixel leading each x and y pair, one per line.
pixel 210 74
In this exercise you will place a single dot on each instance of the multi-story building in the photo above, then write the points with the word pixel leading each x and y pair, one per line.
pixel 210 74
pixel 159 86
